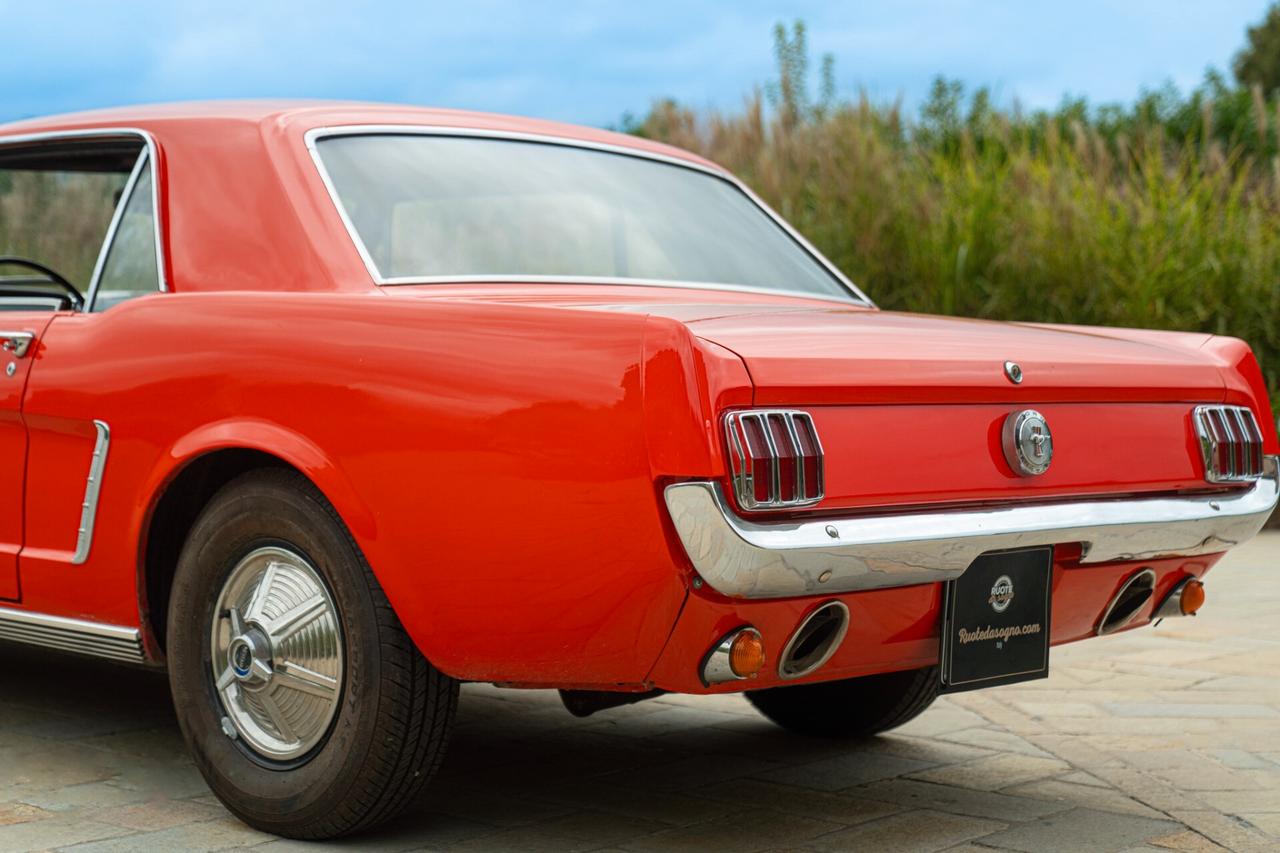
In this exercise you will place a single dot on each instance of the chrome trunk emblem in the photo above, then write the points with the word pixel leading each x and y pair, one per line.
pixel 1028 444
pixel 1013 371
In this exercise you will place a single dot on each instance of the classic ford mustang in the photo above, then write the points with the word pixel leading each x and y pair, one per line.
pixel 330 408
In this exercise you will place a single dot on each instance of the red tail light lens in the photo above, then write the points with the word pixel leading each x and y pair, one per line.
pixel 775 459
pixel 787 451
pixel 1230 443
pixel 758 459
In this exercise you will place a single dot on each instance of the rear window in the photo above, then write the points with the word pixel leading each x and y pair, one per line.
pixel 445 207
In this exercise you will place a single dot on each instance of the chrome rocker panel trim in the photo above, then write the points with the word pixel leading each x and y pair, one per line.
pixel 72 635
pixel 746 559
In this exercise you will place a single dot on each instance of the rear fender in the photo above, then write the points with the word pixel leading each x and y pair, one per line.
pixel 274 440
pixel 1244 382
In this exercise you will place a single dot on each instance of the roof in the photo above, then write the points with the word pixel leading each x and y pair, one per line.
pixel 243 206
pixel 304 115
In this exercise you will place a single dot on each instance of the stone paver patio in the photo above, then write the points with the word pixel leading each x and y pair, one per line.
pixel 1159 739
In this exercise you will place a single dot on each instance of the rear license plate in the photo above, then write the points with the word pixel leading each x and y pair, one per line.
pixel 996 620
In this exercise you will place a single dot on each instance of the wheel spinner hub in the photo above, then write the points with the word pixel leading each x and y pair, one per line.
pixel 277 654
pixel 249 657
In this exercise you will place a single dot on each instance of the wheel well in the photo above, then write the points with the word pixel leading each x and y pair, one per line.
pixel 175 514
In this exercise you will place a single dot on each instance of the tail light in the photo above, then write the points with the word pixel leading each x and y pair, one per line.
pixel 775 459
pixel 1230 442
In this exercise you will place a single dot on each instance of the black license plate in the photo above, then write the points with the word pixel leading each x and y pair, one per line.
pixel 995 627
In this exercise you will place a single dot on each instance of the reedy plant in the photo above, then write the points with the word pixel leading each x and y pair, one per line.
pixel 1165 214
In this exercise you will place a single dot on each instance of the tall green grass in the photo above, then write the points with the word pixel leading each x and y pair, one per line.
pixel 1137 216
pixel 56 218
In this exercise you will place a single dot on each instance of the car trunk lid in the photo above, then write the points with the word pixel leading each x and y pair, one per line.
pixel 849 356
pixel 911 408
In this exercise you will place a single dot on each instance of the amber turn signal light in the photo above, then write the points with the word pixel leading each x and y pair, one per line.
pixel 737 655
pixel 1192 597
pixel 746 654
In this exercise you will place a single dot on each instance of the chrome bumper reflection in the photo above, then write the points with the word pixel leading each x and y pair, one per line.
pixel 746 559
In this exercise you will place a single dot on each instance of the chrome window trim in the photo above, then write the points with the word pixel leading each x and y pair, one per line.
pixel 609 281
pixel 752 559
pixel 314 136
pixel 80 636
pixel 92 489
pixel 149 148
pixel 95 281
pixel 34 303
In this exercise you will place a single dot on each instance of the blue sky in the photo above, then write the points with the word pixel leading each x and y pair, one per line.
pixel 589 62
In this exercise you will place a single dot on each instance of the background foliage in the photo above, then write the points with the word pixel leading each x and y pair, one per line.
pixel 57 218
pixel 1160 214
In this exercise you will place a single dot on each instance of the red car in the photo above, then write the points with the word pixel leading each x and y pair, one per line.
pixel 330 408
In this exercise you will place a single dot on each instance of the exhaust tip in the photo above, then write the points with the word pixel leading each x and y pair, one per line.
pixel 815 641
pixel 1128 602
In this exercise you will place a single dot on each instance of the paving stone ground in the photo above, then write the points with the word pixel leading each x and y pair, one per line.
pixel 1159 739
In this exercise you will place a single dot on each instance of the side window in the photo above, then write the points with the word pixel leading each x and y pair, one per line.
pixel 129 268
pixel 57 203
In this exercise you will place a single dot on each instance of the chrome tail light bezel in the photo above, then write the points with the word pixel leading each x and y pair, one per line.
pixel 1237 428
pixel 741 463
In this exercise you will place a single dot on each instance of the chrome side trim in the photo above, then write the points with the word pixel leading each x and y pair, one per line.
pixel 72 635
pixel 149 144
pixel 749 559
pixel 314 135
pixel 92 487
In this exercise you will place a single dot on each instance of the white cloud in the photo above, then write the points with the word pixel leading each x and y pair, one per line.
pixel 591 61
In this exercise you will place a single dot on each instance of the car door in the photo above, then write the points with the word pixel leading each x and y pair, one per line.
pixel 68 248
pixel 19 342
pixel 70 447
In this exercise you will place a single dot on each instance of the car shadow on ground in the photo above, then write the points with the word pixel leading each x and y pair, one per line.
pixel 677 772
pixel 518 760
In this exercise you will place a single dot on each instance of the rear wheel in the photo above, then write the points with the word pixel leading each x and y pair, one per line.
pixel 305 704
pixel 854 707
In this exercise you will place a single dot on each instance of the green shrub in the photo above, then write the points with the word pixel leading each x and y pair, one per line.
pixel 1165 214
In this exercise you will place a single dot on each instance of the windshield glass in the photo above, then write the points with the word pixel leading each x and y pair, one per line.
pixel 449 207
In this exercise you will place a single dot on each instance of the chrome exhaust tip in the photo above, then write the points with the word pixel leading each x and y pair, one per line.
pixel 814 641
pixel 1128 602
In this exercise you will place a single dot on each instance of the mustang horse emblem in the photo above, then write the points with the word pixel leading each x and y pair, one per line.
pixel 1028 443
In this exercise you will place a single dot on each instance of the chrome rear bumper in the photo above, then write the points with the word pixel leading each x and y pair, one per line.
pixel 747 559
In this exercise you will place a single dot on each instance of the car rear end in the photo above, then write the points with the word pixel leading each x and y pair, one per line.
pixel 877 510
pixel 841 487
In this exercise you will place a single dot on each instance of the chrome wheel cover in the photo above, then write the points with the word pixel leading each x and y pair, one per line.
pixel 277 654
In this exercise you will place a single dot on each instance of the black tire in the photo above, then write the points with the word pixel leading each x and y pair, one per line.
pixel 395 712
pixel 853 708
